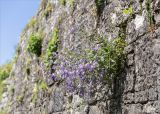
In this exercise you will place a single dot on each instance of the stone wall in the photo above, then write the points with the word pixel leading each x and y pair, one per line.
pixel 136 91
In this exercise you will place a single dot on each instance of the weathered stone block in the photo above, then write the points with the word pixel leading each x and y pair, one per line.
pixel 130 59
pixel 128 98
pixel 132 109
pixel 141 97
pixel 153 94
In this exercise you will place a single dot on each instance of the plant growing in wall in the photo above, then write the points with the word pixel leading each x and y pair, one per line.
pixel 48 10
pixel 63 2
pixel 21 97
pixel 4 111
pixel 35 44
pixel 100 6
pixel 111 57
pixel 102 62
pixel 52 48
pixel 128 11
pixel 32 22
pixel 43 85
pixel 150 15
pixel 35 93
pixel 5 71
pixel 18 51
pixel 71 3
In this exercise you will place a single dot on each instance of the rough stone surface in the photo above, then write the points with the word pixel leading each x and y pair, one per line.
pixel 137 91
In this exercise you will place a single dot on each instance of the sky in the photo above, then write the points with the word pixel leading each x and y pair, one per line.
pixel 14 15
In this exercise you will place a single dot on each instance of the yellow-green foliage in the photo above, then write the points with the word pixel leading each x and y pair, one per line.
pixel 18 51
pixel 4 73
pixel 43 85
pixel 63 2
pixel 20 98
pixel 128 11
pixel 4 111
pixel 110 56
pixel 149 11
pixel 71 3
pixel 48 10
pixel 33 22
pixel 35 93
pixel 2 86
pixel 52 47
pixel 35 44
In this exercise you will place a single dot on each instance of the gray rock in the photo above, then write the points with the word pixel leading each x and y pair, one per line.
pixel 135 91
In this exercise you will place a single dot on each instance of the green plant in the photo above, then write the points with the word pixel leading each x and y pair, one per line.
pixel 18 51
pixel 141 2
pixel 110 56
pixel 4 111
pixel 71 3
pixel 32 22
pixel 43 85
pixel 5 71
pixel 20 98
pixel 128 11
pixel 100 6
pixel 2 86
pixel 48 9
pixel 150 15
pixel 63 2
pixel 35 93
pixel 35 44
pixel 52 47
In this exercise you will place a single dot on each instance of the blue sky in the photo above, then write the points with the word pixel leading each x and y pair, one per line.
pixel 14 15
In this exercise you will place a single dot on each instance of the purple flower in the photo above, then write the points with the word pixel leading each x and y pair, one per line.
pixel 70 85
pixel 91 68
pixel 97 47
pixel 78 72
pixel 81 66
pixel 72 74
pixel 65 74
pixel 95 64
pixel 88 65
pixel 54 77
pixel 82 78
pixel 83 71
pixel 62 67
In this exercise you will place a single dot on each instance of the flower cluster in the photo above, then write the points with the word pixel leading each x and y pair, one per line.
pixel 82 74
pixel 77 78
